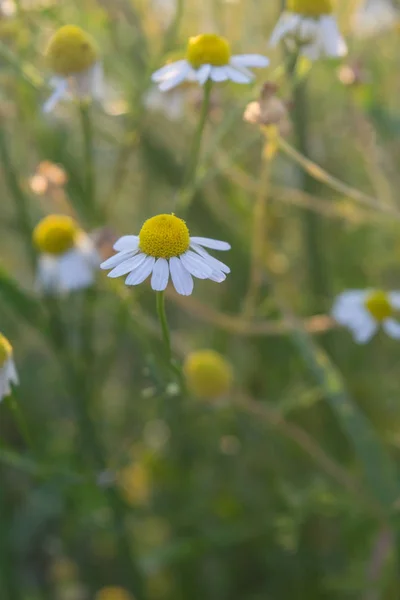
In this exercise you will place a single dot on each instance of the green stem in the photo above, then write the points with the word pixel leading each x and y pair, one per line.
pixel 92 448
pixel 20 200
pixel 14 407
pixel 164 323
pixel 172 33
pixel 9 580
pixel 186 195
pixel 89 172
pixel 311 221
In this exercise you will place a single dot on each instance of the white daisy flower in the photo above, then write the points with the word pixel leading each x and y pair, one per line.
pixel 8 372
pixel 364 311
pixel 209 57
pixel 310 26
pixel 68 258
pixel 73 57
pixel 165 248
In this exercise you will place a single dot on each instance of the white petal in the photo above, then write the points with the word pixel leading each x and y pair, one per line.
pixel 212 262
pixel 394 298
pixel 392 328
pixel 219 74
pixel 196 265
pixel 203 74
pixel 117 259
pixel 168 70
pixel 11 372
pixel 210 243
pixel 127 266
pixel 334 44
pixel 142 272
pixel 60 85
pixel 159 279
pixel 181 278
pixel 238 76
pixel 217 276
pixel 364 330
pixel 348 306
pixel 287 23
pixel 127 242
pixel 47 274
pixel 175 79
pixel 249 60
pixel 75 271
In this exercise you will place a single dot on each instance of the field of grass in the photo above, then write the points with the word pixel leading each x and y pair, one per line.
pixel 119 479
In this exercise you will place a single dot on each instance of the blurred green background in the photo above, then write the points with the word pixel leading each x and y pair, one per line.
pixel 271 493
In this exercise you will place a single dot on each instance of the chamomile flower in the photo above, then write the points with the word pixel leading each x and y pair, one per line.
pixel 68 258
pixel 209 57
pixel 8 372
pixel 73 57
pixel 165 248
pixel 365 311
pixel 310 26
pixel 208 374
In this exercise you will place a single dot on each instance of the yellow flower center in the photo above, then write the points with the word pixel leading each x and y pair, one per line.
pixel 55 234
pixel 378 304
pixel 164 236
pixel 5 350
pixel 113 593
pixel 71 50
pixel 208 374
pixel 310 8
pixel 208 49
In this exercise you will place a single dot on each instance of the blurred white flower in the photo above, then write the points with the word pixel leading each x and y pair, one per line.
pixel 209 57
pixel 8 372
pixel 310 27
pixel 374 17
pixel 78 73
pixel 8 8
pixel 163 248
pixel 364 311
pixel 68 258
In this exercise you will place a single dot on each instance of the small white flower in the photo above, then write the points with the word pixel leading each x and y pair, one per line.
pixel 8 372
pixel 68 259
pixel 373 18
pixel 209 57
pixel 78 73
pixel 364 311
pixel 162 249
pixel 310 27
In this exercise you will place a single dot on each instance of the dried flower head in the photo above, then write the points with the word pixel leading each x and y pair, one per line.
pixel 268 110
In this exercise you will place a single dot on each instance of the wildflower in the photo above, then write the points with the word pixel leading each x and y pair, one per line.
pixel 309 25
pixel 74 59
pixel 164 247
pixel 363 312
pixel 67 256
pixel 113 593
pixel 208 374
pixel 209 57
pixel 8 372
pixel 269 110
pixel 374 18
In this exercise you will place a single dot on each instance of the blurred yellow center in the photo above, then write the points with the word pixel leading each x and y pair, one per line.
pixel 310 8
pixel 377 303
pixel 208 374
pixel 55 234
pixel 5 350
pixel 208 49
pixel 164 236
pixel 71 51
pixel 113 593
